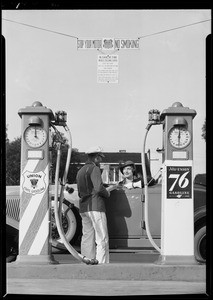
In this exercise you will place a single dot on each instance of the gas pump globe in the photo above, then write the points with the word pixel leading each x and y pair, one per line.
pixel 177 210
pixel 177 132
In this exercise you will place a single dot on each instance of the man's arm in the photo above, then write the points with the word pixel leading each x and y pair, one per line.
pixel 98 183
pixel 112 188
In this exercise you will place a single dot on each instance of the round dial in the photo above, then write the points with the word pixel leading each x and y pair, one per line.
pixel 35 136
pixel 179 137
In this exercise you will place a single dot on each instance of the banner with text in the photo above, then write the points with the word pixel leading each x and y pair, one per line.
pixel 107 44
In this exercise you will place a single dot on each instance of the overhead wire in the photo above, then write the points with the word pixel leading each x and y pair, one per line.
pixel 175 28
pixel 36 27
pixel 141 37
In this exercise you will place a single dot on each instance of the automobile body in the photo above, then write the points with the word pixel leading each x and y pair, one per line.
pixel 125 218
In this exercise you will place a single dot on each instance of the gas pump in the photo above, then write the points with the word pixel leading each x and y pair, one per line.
pixel 177 201
pixel 35 208
pixel 34 226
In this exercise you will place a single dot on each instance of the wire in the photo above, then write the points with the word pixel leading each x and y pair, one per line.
pixel 144 36
pixel 41 28
pixel 141 37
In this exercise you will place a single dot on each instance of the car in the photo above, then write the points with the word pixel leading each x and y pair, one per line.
pixel 125 219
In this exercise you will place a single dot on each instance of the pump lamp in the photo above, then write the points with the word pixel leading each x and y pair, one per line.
pixel 180 121
pixel 35 120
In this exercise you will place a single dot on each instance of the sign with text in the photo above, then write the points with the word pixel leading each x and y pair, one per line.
pixel 34 183
pixel 179 182
pixel 107 44
pixel 107 70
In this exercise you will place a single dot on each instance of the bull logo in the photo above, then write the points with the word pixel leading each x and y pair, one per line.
pixel 34 183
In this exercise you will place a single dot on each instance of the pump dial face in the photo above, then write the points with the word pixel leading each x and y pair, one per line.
pixel 179 137
pixel 35 136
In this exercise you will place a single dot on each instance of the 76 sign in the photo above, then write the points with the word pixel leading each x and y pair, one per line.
pixel 179 182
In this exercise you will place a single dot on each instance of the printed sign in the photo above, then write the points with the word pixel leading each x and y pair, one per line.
pixel 107 44
pixel 107 69
pixel 34 183
pixel 179 182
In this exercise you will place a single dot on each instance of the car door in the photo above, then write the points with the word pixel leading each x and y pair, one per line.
pixel 154 212
pixel 124 213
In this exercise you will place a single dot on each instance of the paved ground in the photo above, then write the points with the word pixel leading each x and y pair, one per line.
pixel 103 287
pixel 128 274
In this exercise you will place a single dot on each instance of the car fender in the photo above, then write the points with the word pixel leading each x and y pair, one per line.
pixel 11 222
pixel 199 214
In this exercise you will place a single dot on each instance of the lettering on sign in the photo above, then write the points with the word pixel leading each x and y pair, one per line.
pixel 107 69
pixel 34 183
pixel 107 44
pixel 179 182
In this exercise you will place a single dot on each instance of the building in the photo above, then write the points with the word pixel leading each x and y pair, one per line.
pixel 111 162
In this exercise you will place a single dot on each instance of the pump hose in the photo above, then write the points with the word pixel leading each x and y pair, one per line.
pixel 69 153
pixel 57 210
pixel 146 192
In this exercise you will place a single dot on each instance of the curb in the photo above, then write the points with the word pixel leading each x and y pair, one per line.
pixel 111 271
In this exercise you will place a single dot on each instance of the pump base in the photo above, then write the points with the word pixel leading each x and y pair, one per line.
pixel 176 260
pixel 36 259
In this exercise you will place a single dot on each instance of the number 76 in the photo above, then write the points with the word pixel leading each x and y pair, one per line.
pixel 181 180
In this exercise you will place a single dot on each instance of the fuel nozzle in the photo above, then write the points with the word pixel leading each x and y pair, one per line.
pixel 154 118
pixel 60 118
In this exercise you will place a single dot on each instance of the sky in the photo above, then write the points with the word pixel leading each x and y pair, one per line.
pixel 43 64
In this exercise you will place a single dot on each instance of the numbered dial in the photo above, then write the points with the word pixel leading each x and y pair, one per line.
pixel 179 137
pixel 35 136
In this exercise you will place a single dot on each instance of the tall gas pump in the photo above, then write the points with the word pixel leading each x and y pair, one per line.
pixel 177 200
pixel 35 225
pixel 35 207
pixel 177 211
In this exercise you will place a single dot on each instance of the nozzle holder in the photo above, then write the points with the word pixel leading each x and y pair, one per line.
pixel 60 118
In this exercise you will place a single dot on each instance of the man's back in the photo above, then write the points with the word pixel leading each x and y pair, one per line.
pixel 90 188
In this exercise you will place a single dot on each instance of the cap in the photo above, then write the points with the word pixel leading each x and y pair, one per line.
pixel 95 150
pixel 127 163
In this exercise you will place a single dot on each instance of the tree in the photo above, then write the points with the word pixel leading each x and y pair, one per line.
pixel 204 130
pixel 13 158
pixel 13 155
pixel 74 164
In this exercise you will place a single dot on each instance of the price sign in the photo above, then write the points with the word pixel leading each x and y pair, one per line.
pixel 179 182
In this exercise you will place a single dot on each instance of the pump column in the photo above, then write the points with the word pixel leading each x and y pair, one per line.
pixel 35 214
pixel 177 209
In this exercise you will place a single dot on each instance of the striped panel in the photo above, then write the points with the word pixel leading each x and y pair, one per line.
pixel 34 214
pixel 28 215
pixel 41 235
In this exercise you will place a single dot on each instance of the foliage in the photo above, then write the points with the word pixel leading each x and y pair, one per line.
pixel 204 131
pixel 13 160
pixel 13 155
pixel 73 169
